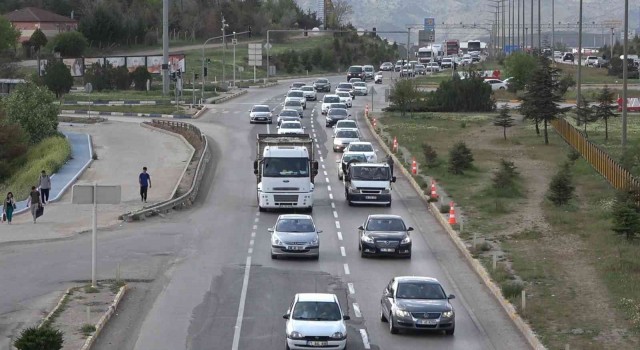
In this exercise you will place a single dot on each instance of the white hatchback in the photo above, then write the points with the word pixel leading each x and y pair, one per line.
pixel 315 320
pixel 365 148
pixel 290 127
pixel 345 98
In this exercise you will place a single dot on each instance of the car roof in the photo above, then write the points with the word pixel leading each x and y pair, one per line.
pixel 288 110
pixel 322 297
pixel 374 165
pixel 384 216
pixel 344 109
pixel 294 216
pixel 345 120
pixel 254 106
pixel 416 279
pixel 331 95
pixel 349 129
pixel 362 143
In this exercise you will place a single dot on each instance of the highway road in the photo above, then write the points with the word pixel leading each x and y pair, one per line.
pixel 204 279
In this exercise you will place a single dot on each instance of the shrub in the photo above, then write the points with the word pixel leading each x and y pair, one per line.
pixel 87 329
pixel 460 158
pixel 140 77
pixel 504 179
pixel 561 187
pixel 35 338
pixel 57 78
pixel 445 208
pixel 430 155
pixel 626 219
pixel 471 94
pixel 511 289
pixel 31 107
pixel 70 44
pixel 121 78
pixel 574 155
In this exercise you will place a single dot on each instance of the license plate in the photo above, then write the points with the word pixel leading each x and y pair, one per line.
pixel 286 206
pixel 261 118
pixel 387 250
pixel 370 197
pixel 317 343
pixel 295 247
pixel 429 322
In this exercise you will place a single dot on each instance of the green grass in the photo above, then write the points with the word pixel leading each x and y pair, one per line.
pixel 87 329
pixel 90 289
pixel 555 303
pixel 434 79
pixel 49 155
pixel 163 109
pixel 81 120
pixel 59 310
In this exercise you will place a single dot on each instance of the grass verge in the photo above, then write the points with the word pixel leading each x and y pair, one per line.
pixel 49 155
pixel 574 269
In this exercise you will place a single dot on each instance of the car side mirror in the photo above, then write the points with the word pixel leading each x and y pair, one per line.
pixel 319 231
pixel 451 296
pixel 338 161
pixel 410 229
pixel 270 230
pixel 286 316
pixel 255 167
pixel 346 317
pixel 361 228
pixel 393 179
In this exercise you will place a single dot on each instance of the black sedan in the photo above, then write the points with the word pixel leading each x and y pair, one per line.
pixel 334 115
pixel 417 303
pixel 322 85
pixel 384 235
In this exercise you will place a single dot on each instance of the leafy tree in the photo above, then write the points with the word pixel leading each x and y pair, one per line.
pixel 404 95
pixel 70 44
pixel 338 14
pixel 306 60
pixel 121 78
pixel 102 25
pixel 540 101
pixel 462 95
pixel 99 76
pixel 38 39
pixel 561 187
pixel 14 143
pixel 566 82
pixel 460 158
pixel 31 106
pixel 604 109
pixel 504 120
pixel 520 66
pixel 57 78
pixel 626 219
pixel 140 77
pixel 35 338
pixel 8 34
pixel 584 114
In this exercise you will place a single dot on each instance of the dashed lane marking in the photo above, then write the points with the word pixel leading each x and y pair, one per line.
pixel 339 235
pixel 256 220
pixel 335 214
pixel 255 227
pixel 346 269
pixel 338 224
pixel 319 152
pixel 253 235
pixel 356 310
pixel 365 338
pixel 321 159
pixel 323 167
pixel 342 251
pixel 251 242
pixel 326 179
pixel 333 205
pixel 243 299
pixel 325 173
pixel 250 251
pixel 352 290
pixel 330 196
pixel 328 186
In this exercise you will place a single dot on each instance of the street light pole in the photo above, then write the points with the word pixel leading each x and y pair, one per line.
pixel 532 26
pixel 235 42
pixel 612 38
pixel 224 46
pixel 539 31
pixel 579 82
pixel 553 30
pixel 518 35
pixel 625 73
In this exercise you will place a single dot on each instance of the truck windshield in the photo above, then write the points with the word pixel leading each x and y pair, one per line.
pixel 286 167
pixel 368 173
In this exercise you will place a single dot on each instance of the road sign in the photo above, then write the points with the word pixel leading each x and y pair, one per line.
pixel 83 194
pixel 255 55
pixel 255 63
pixel 268 46
pixel 429 23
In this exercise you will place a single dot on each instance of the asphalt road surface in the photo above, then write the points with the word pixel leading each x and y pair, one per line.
pixel 204 279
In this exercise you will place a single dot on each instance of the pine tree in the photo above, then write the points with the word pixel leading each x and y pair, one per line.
pixel 561 187
pixel 626 219
pixel 604 109
pixel 504 120
pixel 460 158
pixel 584 114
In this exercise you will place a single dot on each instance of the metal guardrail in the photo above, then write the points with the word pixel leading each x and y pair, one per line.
pixel 189 197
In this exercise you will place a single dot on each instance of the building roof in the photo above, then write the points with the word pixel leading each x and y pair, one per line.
pixel 34 14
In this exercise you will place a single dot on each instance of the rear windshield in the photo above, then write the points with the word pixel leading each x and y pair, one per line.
pixel 356 156
pixel 293 103
pixel 307 88
pixel 347 134
pixel 338 111
pixel 386 224
pixel 295 94
pixel 361 148
pixel 261 109
pixel 343 94
pixel 322 81
pixel 289 113
pixel 331 99
pixel 359 84
pixel 368 69
pixel 290 125
pixel 355 69
pixel 339 106
pixel 345 86
pixel 346 124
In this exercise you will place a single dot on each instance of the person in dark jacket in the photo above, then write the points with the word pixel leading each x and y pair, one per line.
pixel 390 162
pixel 34 202
pixel 8 206
pixel 45 186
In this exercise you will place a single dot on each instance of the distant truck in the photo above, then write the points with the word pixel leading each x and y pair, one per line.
pixel 368 183
pixel 452 47
pixel 285 170
pixel 474 45
pixel 426 54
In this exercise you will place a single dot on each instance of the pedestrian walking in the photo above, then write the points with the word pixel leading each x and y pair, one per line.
pixel 390 162
pixel 8 206
pixel 45 187
pixel 34 203
pixel 145 183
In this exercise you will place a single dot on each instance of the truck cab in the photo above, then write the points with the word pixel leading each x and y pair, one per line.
pixel 368 183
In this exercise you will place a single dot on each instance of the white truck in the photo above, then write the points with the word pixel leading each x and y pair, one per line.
pixel 285 170
pixel 368 183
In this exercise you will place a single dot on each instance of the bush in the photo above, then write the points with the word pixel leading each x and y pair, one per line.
pixel 140 77
pixel 519 66
pixel 121 78
pixel 460 158
pixel 565 83
pixel 31 107
pixel 70 44
pixel 35 338
pixel 561 187
pixel 504 179
pixel 462 95
pixel 626 219
pixel 511 289
pixel 57 78
pixel 14 141
pixel 573 155
pixel 430 156
pixel 445 208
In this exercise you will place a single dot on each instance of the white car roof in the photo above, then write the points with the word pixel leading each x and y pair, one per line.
pixel 361 143
pixel 343 94
pixel 321 297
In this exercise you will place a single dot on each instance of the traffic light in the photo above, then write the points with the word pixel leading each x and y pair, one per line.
pixel 206 71
pixel 249 31
pixel 196 76
pixel 373 32
pixel 305 32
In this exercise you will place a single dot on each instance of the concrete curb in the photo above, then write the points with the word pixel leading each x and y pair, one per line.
pixel 200 113
pixel 126 114
pixel 120 103
pixel 58 305
pixel 522 326
pixel 217 100
pixel 104 319
pixel 268 85
pixel 193 152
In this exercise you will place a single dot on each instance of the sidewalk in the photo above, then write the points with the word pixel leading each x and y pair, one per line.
pixel 122 150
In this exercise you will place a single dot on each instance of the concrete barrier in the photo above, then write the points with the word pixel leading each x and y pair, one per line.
pixel 221 99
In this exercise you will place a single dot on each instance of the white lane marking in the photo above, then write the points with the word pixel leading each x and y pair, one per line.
pixel 258 214
pixel 335 214
pixel 321 159
pixel 315 140
pixel 251 242
pixel 253 235
pixel 268 129
pixel 339 235
pixel 356 310
pixel 333 205
pixel 325 173
pixel 243 300
pixel 256 220
pixel 255 227
pixel 351 289
pixel 346 269
pixel 337 224
pixel 326 179
pixel 314 135
pixel 329 186
pixel 330 196
pixel 319 152
pixel 365 338
pixel 323 167
pixel 342 251
pixel 250 251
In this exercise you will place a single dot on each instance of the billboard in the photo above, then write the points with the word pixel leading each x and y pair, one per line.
pixel 429 23
pixel 117 61
pixel 88 62
pixel 75 65
pixel 154 64
pixel 134 62
pixel 43 66
pixel 177 63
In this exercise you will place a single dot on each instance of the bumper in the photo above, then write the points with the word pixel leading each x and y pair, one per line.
pixel 303 344
pixel 340 147
pixel 311 97
pixel 442 324
pixel 362 198
pixel 260 119
pixel 307 252
pixel 300 200
pixel 400 250
pixel 360 92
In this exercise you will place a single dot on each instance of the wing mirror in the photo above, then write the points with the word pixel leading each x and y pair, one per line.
pixel 346 317
pixel 319 231
pixel 410 229
pixel 255 167
pixel 451 296
pixel 337 161
pixel 286 316
pixel 393 179
pixel 361 228
pixel 270 230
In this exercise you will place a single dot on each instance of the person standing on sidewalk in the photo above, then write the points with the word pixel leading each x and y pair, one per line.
pixel 145 183
pixel 34 202
pixel 45 186
pixel 8 206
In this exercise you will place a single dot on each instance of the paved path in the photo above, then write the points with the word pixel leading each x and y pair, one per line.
pixel 122 149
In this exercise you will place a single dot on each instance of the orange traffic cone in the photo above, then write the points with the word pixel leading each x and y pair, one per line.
pixel 366 110
pixel 414 166
pixel 395 144
pixel 434 194
pixel 452 215
pixel 374 123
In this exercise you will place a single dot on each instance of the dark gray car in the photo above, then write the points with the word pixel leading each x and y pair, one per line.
pixel 384 235
pixel 419 303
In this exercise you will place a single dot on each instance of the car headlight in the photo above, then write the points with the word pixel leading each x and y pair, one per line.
pixel 353 189
pixel 275 240
pixel 314 242
pixel 406 240
pixel 447 314
pixel 367 239
pixel 295 335
pixel 337 142
pixel 402 313
pixel 338 335
pixel 385 191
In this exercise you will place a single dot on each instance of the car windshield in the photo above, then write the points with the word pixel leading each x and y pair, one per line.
pixel 345 86
pixel 344 94
pixel 361 148
pixel 357 156
pixel 289 112
pixel 295 94
pixel 331 99
pixel 419 66
pixel 338 111
pixel 385 224
pixel 286 167
pixel 307 88
pixel 360 84
pixel 347 134
pixel 370 173
pixel 295 225
pixel 368 69
pixel 355 69
pixel 347 124
pixel 293 103
pixel 291 125
pixel 418 290
pixel 322 81
pixel 261 109
pixel 316 311
pixel 339 106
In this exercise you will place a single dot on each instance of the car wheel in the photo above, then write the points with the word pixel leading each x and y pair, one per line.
pixel 339 177
pixel 274 257
pixel 286 346
pixel 501 88
pixel 383 318
pixel 392 328
pixel 316 257
pixel 408 256
pixel 362 254
pixel 450 331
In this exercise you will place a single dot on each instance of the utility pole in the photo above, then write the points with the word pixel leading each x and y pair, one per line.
pixel 612 38
pixel 518 35
pixel 579 82
pixel 165 47
pixel 532 26
pixel 625 73
pixel 503 27
pixel 408 42
pixel 224 46
pixel 539 31
pixel 553 30
pixel 235 42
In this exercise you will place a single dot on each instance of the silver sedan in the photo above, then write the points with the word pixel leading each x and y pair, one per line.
pixel 296 236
